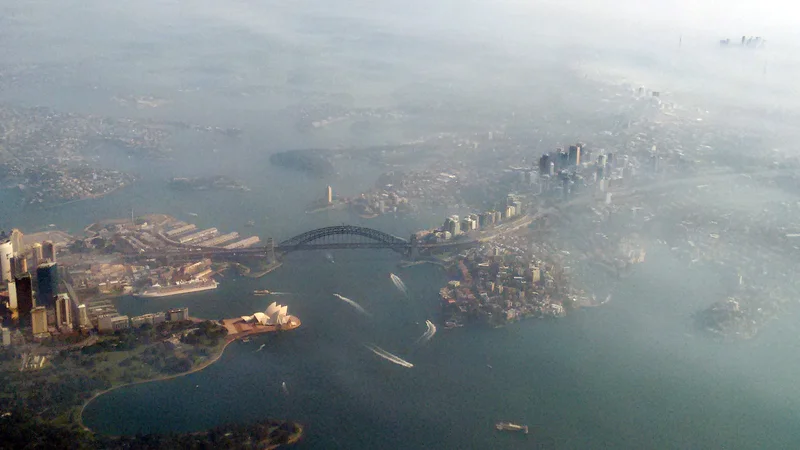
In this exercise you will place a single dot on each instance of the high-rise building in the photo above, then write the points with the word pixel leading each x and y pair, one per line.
pixel 16 241
pixel 83 318
pixel 452 225
pixel 6 253
pixel 46 284
pixel 63 312
pixel 23 286
pixel 19 265
pixel 575 155
pixel 39 320
pixel 49 251
pixel 329 195
pixel 6 336
pixel 36 255
pixel 12 296
pixel 544 164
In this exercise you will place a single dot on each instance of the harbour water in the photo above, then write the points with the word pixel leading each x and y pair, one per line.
pixel 628 375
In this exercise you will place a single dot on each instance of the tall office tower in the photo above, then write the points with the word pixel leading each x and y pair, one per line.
pixel 39 320
pixel 46 284
pixel 36 255
pixel 16 241
pixel 12 296
pixel 6 253
pixel 19 265
pixel 329 195
pixel 452 225
pixel 574 155
pixel 63 312
pixel 544 164
pixel 24 289
pixel 83 318
pixel 49 251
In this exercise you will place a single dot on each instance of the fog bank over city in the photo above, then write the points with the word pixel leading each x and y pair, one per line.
pixel 577 220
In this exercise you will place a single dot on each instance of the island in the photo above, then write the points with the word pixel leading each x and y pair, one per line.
pixel 311 161
pixel 219 182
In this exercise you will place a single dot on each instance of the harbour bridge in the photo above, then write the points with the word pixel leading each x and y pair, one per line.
pixel 328 238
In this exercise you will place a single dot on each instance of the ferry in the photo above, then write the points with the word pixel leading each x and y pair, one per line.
pixel 261 292
pixel 508 426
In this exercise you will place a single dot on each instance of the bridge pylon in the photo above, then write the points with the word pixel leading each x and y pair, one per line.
pixel 270 247
pixel 413 249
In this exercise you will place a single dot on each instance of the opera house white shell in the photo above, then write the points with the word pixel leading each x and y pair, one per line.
pixel 274 315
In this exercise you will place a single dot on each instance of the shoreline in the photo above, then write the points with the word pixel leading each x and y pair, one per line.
pixel 228 340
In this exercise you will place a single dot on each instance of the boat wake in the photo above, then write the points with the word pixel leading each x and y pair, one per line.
pixel 260 348
pixel 428 333
pixel 398 283
pixel 281 293
pixel 388 356
pixel 352 303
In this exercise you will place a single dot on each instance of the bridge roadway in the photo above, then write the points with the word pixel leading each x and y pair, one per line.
pixel 324 239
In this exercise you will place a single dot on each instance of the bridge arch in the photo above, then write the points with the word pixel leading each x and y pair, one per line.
pixel 379 238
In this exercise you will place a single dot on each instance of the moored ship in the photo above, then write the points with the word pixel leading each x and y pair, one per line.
pixel 179 288
pixel 508 426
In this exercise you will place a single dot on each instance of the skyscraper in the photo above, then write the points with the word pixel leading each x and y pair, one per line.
pixel 83 317
pixel 329 195
pixel 36 255
pixel 19 265
pixel 63 312
pixel 24 289
pixel 39 320
pixel 49 251
pixel 16 241
pixel 6 252
pixel 575 155
pixel 46 284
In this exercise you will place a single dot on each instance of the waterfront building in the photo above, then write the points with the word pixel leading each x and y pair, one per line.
pixel 46 284
pixel 6 253
pixel 452 225
pixel 180 230
pixel 23 286
pixel 17 243
pixel 244 243
pixel 178 314
pixel 152 319
pixel 274 315
pixel 329 195
pixel 510 211
pixel 205 234
pixel 113 323
pixel 63 312
pixel 49 251
pixel 39 321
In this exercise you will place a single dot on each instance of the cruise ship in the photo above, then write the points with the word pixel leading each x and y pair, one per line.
pixel 508 426
pixel 178 288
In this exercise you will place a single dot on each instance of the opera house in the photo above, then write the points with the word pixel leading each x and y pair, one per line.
pixel 274 315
